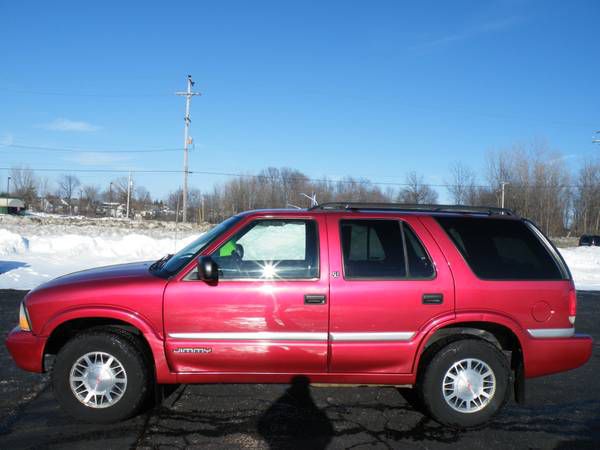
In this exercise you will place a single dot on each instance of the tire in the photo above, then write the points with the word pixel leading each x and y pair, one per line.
pixel 465 383
pixel 110 385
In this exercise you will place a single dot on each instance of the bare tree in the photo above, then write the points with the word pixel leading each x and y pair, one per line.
pixel 119 190
pixel 142 197
pixel 43 190
pixel 67 185
pixel 24 184
pixel 417 191
pixel 174 200
pixel 91 193
pixel 586 201
pixel 461 186
pixel 91 196
pixel 536 184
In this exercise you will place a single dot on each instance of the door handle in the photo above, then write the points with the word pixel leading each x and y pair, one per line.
pixel 433 299
pixel 314 299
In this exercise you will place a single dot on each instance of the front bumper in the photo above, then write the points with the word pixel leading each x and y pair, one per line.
pixel 546 356
pixel 26 349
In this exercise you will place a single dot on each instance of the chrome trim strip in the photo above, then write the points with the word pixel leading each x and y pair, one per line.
pixel 253 336
pixel 551 332
pixel 369 337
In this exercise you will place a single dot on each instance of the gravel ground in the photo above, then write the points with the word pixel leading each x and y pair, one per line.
pixel 563 412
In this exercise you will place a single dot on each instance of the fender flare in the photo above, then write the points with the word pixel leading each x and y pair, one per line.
pixel 153 338
pixel 465 317
pixel 105 312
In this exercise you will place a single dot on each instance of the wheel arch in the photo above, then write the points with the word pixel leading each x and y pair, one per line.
pixel 501 335
pixel 62 328
pixel 69 328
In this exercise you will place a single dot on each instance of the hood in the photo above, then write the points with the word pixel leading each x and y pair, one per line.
pixel 131 287
pixel 119 272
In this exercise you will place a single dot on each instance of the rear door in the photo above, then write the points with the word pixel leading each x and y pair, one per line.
pixel 389 280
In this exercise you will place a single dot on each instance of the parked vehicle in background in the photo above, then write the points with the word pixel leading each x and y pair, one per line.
pixel 461 303
pixel 589 240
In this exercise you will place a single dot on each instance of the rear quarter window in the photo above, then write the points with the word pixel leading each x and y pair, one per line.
pixel 499 249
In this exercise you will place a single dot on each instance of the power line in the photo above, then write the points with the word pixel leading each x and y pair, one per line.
pixel 78 94
pixel 362 180
pixel 51 169
pixel 86 150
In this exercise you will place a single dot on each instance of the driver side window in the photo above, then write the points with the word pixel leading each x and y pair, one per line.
pixel 269 250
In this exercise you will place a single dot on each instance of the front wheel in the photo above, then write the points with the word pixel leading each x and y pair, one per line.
pixel 101 376
pixel 465 383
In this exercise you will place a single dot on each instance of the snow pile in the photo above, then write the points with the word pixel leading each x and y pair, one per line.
pixel 12 243
pixel 53 224
pixel 584 263
pixel 29 260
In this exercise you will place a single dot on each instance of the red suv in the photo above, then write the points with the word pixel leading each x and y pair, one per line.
pixel 461 303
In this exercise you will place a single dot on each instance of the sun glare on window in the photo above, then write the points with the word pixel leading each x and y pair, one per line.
pixel 269 270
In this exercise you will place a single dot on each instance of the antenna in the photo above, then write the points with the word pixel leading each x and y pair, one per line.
pixel 312 198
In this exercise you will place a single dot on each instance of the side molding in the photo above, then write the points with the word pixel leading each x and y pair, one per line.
pixel 551 332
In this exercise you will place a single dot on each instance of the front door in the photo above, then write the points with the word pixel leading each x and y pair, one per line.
pixel 390 280
pixel 269 310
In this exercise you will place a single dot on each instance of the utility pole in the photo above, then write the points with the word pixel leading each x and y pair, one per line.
pixel 128 192
pixel 8 187
pixel 202 200
pixel 503 183
pixel 186 140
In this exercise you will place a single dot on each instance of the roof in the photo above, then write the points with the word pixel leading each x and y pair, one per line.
pixel 408 207
pixel 390 208
pixel 11 202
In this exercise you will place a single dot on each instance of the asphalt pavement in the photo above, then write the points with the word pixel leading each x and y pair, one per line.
pixel 562 412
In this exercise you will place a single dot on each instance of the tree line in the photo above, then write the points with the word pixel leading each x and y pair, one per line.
pixel 68 195
pixel 537 185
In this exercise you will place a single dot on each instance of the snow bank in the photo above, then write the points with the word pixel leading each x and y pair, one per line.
pixel 12 243
pixel 584 263
pixel 27 261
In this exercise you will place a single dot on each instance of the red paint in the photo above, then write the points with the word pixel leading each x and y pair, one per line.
pixel 26 349
pixel 161 307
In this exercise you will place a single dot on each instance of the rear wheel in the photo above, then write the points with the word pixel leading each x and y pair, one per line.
pixel 101 376
pixel 465 383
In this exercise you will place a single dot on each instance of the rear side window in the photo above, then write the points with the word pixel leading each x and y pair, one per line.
pixel 382 249
pixel 498 249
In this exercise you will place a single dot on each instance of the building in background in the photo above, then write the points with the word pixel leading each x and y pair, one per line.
pixel 11 205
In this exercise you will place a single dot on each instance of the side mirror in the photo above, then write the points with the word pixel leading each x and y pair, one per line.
pixel 207 269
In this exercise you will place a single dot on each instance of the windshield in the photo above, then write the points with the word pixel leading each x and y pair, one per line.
pixel 184 256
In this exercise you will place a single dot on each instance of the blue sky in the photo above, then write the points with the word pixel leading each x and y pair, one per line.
pixel 371 88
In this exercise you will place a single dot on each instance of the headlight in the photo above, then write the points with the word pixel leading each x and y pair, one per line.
pixel 24 323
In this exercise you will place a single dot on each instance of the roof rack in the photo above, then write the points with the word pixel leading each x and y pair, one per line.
pixel 353 206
